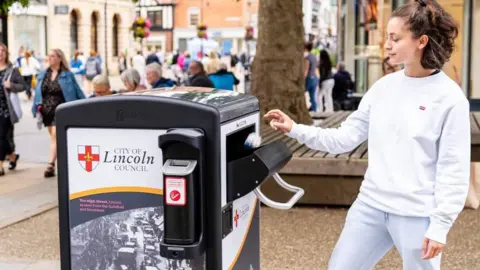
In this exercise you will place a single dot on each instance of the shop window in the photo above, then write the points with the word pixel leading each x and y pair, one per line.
pixel 155 18
pixel 193 17
pixel 30 32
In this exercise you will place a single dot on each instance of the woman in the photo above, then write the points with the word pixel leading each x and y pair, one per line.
pixel 131 80
pixel 213 63
pixel 325 83
pixel 418 128
pixel 55 86
pixel 77 67
pixel 30 67
pixel 10 82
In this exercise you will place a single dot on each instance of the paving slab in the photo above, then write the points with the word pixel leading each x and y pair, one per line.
pixel 301 238
pixel 25 193
pixel 29 265
pixel 44 265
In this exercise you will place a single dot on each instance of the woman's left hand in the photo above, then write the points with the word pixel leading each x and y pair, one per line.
pixel 6 84
pixel 431 249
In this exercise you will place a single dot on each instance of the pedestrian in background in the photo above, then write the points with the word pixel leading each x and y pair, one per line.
pixel 11 83
pixel 224 79
pixel 78 68
pixel 139 63
pixel 311 79
pixel 92 68
pixel 101 86
pixel 198 75
pixel 29 67
pixel 155 77
pixel 131 79
pixel 326 83
pixel 122 62
pixel 55 86
pixel 212 63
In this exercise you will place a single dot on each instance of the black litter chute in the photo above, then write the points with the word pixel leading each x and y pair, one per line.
pixel 247 173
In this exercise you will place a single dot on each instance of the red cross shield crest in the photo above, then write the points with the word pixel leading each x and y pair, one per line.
pixel 88 157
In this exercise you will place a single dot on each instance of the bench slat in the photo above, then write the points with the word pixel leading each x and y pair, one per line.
pixel 360 151
pixel 333 121
pixel 336 125
pixel 475 127
pixel 325 166
pixel 266 130
pixel 474 123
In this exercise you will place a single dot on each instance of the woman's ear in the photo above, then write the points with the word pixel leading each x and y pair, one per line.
pixel 423 42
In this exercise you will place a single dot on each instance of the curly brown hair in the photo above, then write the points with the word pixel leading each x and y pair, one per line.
pixel 427 17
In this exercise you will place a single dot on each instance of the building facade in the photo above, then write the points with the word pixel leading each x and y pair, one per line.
pixel 320 20
pixel 27 27
pixel 161 15
pixel 98 25
pixel 226 21
pixel 362 31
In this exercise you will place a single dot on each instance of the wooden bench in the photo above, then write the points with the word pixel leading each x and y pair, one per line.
pixel 475 128
pixel 330 179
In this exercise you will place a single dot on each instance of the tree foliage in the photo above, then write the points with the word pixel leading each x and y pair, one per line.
pixel 6 4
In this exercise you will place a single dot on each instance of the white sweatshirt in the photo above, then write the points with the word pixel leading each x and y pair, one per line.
pixel 418 133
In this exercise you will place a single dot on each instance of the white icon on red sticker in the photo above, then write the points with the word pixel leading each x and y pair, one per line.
pixel 175 191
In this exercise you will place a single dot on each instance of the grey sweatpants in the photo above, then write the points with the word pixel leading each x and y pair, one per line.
pixel 370 233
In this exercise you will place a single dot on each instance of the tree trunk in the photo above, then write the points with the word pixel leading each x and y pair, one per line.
pixel 277 70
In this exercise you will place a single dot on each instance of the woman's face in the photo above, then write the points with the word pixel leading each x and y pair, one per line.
pixel 401 46
pixel 128 85
pixel 3 54
pixel 53 59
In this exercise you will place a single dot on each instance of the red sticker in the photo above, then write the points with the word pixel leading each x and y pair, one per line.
pixel 175 191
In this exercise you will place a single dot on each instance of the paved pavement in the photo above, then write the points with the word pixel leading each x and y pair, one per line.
pixel 301 238
pixel 30 265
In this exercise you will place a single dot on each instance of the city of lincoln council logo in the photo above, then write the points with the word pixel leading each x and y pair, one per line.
pixel 88 156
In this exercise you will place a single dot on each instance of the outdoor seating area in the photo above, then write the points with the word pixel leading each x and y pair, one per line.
pixel 335 179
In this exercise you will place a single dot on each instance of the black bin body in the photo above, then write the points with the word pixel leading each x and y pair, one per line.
pixel 111 186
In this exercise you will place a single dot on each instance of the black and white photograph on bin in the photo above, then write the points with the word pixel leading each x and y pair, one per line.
pixel 128 240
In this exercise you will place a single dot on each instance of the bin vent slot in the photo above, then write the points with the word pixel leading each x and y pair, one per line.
pixel 227 220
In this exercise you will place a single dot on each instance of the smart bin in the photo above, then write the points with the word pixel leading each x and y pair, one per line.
pixel 161 179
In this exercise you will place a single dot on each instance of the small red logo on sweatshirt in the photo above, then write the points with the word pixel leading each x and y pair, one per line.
pixel 422 108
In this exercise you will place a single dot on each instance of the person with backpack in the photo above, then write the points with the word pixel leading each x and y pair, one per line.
pixel 224 79
pixel 92 69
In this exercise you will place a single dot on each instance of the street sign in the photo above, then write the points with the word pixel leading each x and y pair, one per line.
pixel 61 9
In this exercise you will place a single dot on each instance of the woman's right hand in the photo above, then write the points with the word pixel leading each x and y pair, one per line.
pixel 279 120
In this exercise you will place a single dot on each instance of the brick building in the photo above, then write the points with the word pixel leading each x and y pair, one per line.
pixel 161 14
pixel 226 21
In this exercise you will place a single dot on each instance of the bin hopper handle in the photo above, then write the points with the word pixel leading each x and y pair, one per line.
pixel 278 205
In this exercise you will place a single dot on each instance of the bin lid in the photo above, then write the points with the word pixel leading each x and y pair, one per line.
pixel 230 104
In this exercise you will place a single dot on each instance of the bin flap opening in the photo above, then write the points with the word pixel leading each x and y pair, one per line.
pixel 179 167
pixel 247 173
